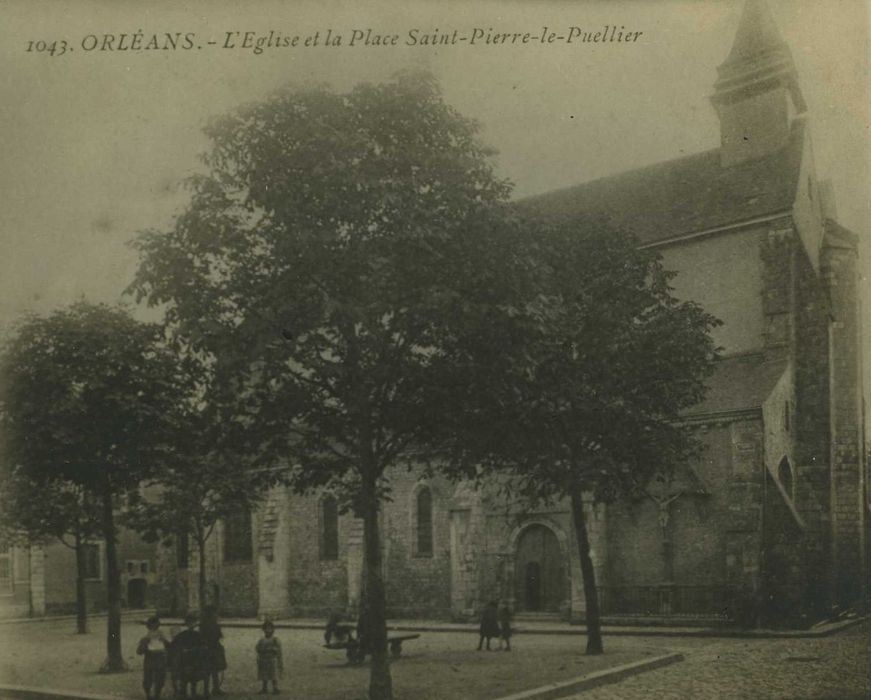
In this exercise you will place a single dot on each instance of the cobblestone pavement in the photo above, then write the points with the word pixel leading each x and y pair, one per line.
pixel 831 668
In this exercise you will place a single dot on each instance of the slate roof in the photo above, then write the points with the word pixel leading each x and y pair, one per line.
pixel 682 196
pixel 738 383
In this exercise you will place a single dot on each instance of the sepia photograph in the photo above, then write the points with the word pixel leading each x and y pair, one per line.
pixel 507 350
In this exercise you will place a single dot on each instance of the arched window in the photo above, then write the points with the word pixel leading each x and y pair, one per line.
pixel 237 536
pixel 329 528
pixel 424 522
pixel 784 473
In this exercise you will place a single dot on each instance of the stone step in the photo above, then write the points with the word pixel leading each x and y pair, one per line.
pixel 537 616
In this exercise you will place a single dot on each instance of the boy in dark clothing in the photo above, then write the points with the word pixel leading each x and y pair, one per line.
pixel 153 646
pixel 190 659
pixel 489 625
pixel 212 636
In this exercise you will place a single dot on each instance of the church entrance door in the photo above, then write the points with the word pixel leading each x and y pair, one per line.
pixel 539 571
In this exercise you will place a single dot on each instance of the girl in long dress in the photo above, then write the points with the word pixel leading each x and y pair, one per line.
pixel 270 664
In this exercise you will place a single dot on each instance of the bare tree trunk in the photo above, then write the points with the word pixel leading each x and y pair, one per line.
pixel 380 681
pixel 114 656
pixel 201 574
pixel 594 628
pixel 81 598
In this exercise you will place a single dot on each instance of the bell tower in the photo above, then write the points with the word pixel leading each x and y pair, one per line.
pixel 756 94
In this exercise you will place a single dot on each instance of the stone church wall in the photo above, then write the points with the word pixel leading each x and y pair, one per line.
pixel 702 529
pixel 236 580
pixel 238 583
pixel 417 585
pixel 698 523
pixel 723 273
pixel 847 460
pixel 785 562
pixel 315 586
pixel 812 426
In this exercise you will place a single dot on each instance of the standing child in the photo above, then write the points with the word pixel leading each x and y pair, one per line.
pixel 153 646
pixel 505 627
pixel 188 652
pixel 215 656
pixel 270 665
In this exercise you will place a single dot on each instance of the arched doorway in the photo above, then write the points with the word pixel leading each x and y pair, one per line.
pixel 540 581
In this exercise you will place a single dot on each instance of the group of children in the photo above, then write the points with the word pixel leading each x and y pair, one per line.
pixel 495 623
pixel 194 656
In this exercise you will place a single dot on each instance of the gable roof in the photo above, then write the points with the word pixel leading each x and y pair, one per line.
pixel 739 383
pixel 682 196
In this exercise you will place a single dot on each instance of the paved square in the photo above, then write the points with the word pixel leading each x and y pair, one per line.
pixel 438 666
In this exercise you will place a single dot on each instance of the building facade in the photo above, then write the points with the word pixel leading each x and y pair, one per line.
pixel 41 579
pixel 771 519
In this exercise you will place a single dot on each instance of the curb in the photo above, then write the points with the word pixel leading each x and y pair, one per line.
pixel 579 630
pixel 62 618
pixel 596 679
pixel 24 693
pixel 824 630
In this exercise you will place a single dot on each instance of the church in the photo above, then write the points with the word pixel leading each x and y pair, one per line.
pixel 770 521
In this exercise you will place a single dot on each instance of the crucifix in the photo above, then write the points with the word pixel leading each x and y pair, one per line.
pixel 664 515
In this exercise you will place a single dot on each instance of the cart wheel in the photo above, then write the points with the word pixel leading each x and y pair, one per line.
pixel 395 649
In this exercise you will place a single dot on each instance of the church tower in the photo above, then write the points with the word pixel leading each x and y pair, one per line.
pixel 756 93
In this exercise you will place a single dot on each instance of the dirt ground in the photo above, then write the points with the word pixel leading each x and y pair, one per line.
pixel 438 666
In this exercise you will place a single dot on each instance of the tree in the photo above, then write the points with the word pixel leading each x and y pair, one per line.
pixel 571 380
pixel 87 391
pixel 202 485
pixel 34 511
pixel 313 269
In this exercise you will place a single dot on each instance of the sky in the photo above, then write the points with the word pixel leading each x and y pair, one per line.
pixel 96 142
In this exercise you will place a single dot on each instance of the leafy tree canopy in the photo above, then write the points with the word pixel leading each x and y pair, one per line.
pixel 86 393
pixel 316 263
pixel 34 511
pixel 580 378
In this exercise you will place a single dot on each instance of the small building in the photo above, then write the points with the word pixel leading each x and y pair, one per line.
pixel 41 579
pixel 22 592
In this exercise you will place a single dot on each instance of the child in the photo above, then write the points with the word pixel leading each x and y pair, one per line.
pixel 489 624
pixel 212 636
pixel 188 652
pixel 505 627
pixel 153 646
pixel 269 662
